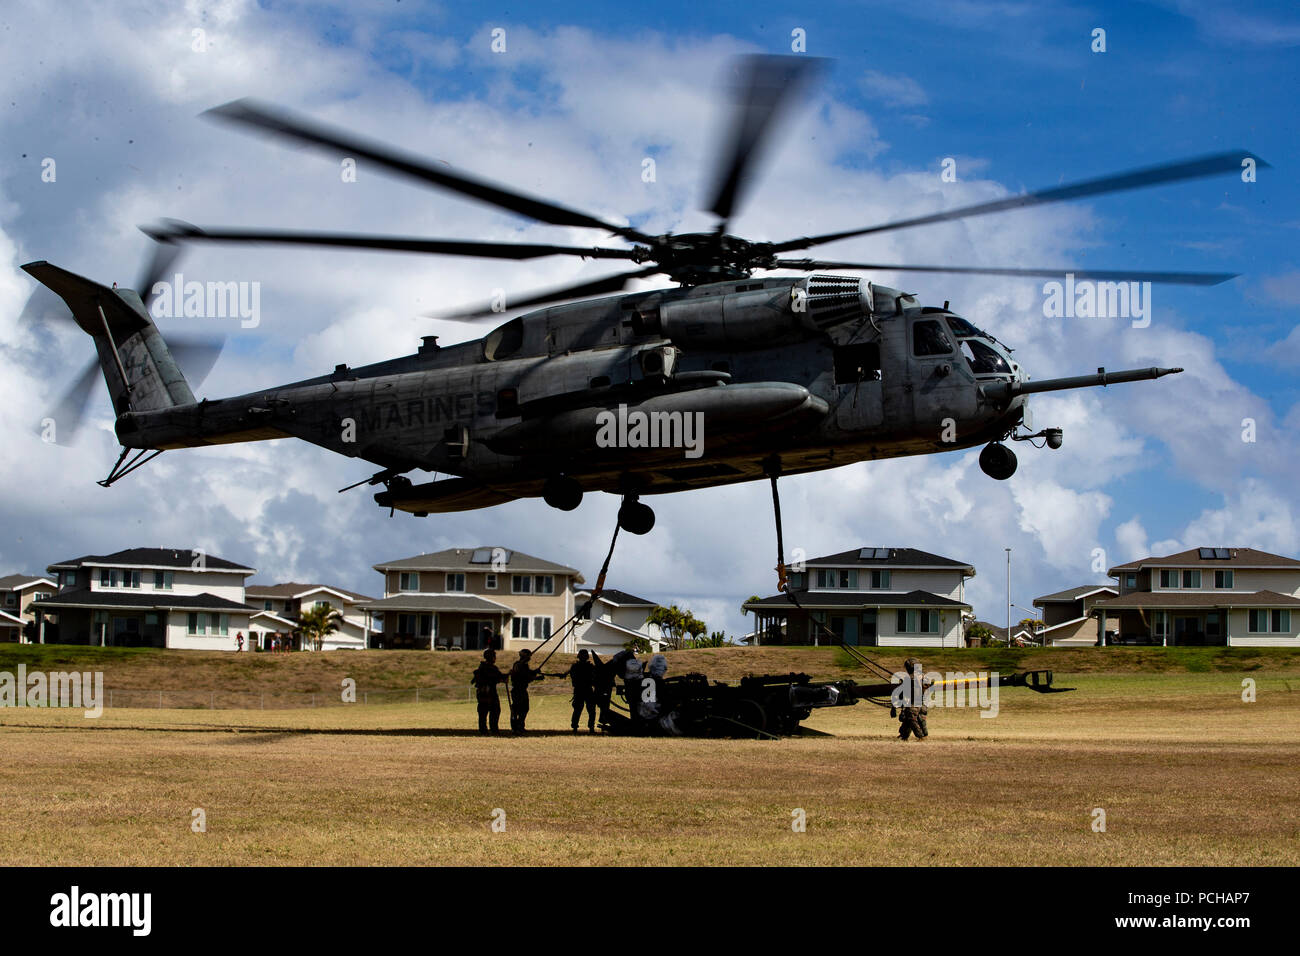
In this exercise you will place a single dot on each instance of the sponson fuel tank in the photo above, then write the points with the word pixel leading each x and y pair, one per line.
pixel 718 415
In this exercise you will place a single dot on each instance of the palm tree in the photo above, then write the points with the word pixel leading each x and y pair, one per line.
pixel 316 623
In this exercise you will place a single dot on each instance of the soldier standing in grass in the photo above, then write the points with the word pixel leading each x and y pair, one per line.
pixel 485 680
pixel 911 694
pixel 521 675
pixel 583 675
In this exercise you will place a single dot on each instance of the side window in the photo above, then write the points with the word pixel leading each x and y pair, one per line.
pixel 929 338
pixel 857 363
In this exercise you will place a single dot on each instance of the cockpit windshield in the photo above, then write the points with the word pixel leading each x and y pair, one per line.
pixel 982 359
pixel 963 329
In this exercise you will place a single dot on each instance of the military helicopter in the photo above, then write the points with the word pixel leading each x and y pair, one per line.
pixel 727 376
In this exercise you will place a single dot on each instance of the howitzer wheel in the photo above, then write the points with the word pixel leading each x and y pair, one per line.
pixel 750 713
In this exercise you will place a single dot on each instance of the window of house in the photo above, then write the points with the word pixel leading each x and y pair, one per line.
pixel 837 578
pixel 320 604
pixel 408 581
pixel 11 599
pixel 1191 579
pixel 490 582
pixel 519 627
pixel 796 580
pixel 1168 579
pixel 1265 621
pixel 1130 582
pixel 544 584
pixel 266 605
pixel 1223 579
pixel 456 582
pixel 1160 623
pixel 542 628
pixel 406 624
pixel 1280 621
pixel 162 580
pixel 918 621
pixel 108 578
pixel 521 584
pixel 880 579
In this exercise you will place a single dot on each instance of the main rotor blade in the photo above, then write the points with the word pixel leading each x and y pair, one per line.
pixel 767 84
pixel 195 354
pixel 279 122
pixel 1119 275
pixel 44 305
pixel 614 283
pixel 71 408
pixel 1134 179
pixel 173 230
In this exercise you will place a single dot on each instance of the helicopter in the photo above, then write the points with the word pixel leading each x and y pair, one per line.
pixel 730 375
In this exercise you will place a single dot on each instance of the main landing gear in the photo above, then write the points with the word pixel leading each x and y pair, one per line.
pixel 634 517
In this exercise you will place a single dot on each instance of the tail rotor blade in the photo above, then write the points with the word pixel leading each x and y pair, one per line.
pixel 71 409
pixel 165 254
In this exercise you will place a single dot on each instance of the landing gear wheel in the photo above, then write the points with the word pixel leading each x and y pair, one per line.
pixel 562 492
pixel 998 461
pixel 636 518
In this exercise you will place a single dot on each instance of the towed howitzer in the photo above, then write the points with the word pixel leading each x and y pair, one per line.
pixel 766 706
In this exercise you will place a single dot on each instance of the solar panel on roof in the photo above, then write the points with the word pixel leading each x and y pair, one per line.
pixel 1206 553
pixel 1223 553
pixel 884 552
pixel 481 556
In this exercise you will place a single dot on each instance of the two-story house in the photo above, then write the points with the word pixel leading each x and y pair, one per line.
pixel 146 597
pixel 1238 597
pixel 277 607
pixel 472 598
pixel 1069 619
pixel 615 618
pixel 888 597
pixel 17 592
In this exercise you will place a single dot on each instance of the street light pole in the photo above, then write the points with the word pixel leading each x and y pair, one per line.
pixel 1008 550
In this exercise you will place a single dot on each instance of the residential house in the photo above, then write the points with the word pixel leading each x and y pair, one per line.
pixel 277 607
pixel 146 597
pixel 17 592
pixel 1068 616
pixel 888 597
pixel 615 618
pixel 1239 597
pixel 470 598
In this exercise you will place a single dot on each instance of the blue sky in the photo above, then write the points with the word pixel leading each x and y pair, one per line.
pixel 1012 91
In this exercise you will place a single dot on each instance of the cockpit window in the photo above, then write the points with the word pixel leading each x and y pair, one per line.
pixel 982 359
pixel 929 338
pixel 963 329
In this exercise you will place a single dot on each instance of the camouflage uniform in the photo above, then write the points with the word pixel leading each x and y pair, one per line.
pixel 521 675
pixel 911 719
pixel 485 681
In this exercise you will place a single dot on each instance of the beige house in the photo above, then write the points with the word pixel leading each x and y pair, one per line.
pixel 17 592
pixel 1069 618
pixel 276 608
pixel 470 598
pixel 1239 597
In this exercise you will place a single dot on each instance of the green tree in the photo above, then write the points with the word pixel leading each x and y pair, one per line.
pixel 978 634
pixel 678 625
pixel 316 623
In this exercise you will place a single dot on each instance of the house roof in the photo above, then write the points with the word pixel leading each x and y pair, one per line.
pixel 888 558
pixel 182 558
pixel 620 598
pixel 1191 558
pixel 8 619
pixel 16 582
pixel 817 600
pixel 1142 600
pixel 272 616
pixel 462 559
pixel 140 600
pixel 467 603
pixel 1073 594
pixel 294 590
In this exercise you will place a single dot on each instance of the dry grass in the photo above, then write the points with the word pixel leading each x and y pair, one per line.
pixel 1187 774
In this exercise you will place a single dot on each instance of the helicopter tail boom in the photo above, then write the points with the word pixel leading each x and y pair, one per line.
pixel 137 365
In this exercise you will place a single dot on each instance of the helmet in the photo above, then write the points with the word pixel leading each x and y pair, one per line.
pixel 658 665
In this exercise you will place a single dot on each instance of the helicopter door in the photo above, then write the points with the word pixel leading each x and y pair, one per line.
pixel 942 385
pixel 860 403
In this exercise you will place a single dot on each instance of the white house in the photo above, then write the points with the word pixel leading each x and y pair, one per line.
pixel 17 592
pixel 887 597
pixel 616 617
pixel 276 608
pixel 146 597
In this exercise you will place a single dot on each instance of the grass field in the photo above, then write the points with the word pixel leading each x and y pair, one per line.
pixel 1186 772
